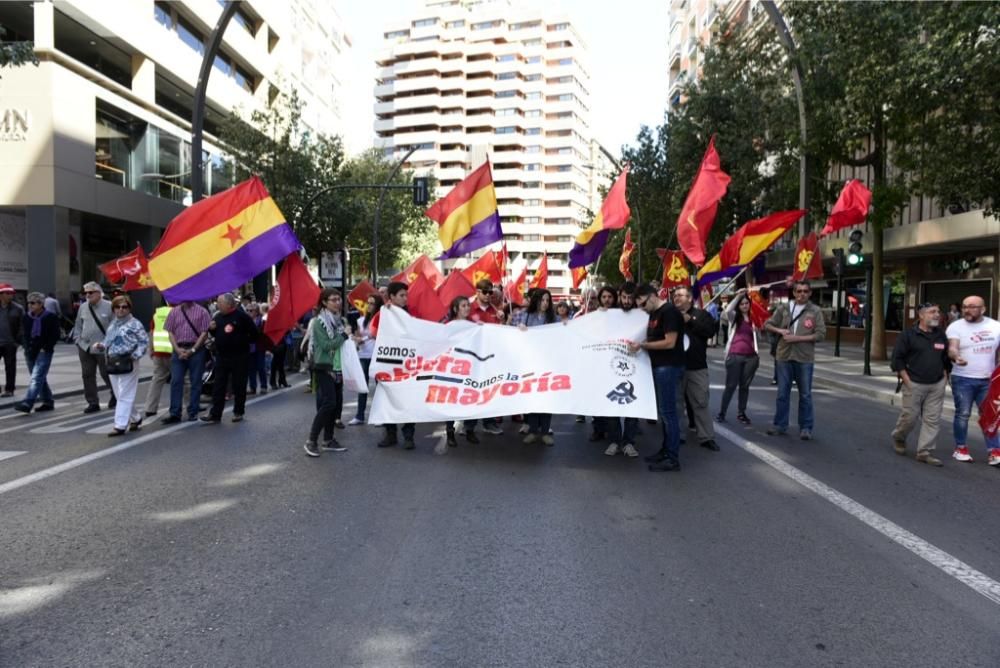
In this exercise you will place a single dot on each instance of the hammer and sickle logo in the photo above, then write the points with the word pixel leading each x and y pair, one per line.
pixel 624 393
pixel 479 275
pixel 361 305
pixel 677 271
pixel 412 276
pixel 804 259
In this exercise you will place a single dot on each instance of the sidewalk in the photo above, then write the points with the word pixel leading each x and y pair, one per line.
pixel 841 373
pixel 64 375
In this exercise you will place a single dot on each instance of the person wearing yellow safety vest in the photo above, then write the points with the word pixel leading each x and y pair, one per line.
pixel 160 352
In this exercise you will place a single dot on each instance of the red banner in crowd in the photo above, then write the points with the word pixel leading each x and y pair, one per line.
pixel 625 259
pixel 487 266
pixel 989 410
pixel 358 297
pixel 541 277
pixel 675 271
pixel 578 273
pixel 759 314
pixel 808 263
pixel 132 269
pixel 455 285
pixel 698 214
pixel 516 290
pixel 422 266
pixel 295 293
pixel 851 207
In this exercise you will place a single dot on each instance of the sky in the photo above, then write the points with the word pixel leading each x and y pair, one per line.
pixel 627 51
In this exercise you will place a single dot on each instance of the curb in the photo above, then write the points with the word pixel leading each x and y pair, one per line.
pixel 62 394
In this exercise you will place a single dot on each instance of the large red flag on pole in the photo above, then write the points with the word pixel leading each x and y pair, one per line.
pixel 675 271
pixel 515 291
pixel 808 263
pixel 698 214
pixel 358 297
pixel 578 273
pixel 422 266
pixel 989 410
pixel 132 269
pixel 295 293
pixel 541 277
pixel 851 207
pixel 488 266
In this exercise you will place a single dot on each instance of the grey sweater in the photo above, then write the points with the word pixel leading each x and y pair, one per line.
pixel 86 332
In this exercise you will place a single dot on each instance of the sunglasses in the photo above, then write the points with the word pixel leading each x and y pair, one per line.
pixel 486 292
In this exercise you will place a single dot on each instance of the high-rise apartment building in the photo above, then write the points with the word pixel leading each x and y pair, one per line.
pixel 462 80
pixel 95 140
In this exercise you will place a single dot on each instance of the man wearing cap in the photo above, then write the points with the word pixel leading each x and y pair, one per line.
pixel 920 357
pixel 10 335
pixel 91 325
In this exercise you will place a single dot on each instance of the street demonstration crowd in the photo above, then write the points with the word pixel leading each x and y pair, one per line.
pixel 186 339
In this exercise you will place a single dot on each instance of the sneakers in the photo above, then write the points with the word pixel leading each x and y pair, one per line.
pixel 338 424
pixel 720 418
pixel 493 429
pixel 408 444
pixel 312 450
pixel 806 435
pixel 926 458
pixel 135 426
pixel 529 439
pixel 471 437
pixel 238 417
pixel 524 429
pixel 116 432
pixel 208 419
pixel 630 450
pixel 994 459
pixel 387 442
pixel 742 418
pixel 776 431
pixel 899 447
pixel 355 422
pixel 961 454
pixel 612 450
pixel 548 440
pixel 333 446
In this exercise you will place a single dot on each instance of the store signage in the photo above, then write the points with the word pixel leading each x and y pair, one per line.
pixel 14 125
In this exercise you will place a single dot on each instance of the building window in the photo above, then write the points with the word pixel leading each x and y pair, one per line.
pixel 505 93
pixel 533 131
pixel 162 14
pixel 532 167
pixel 484 25
pixel 506 75
pixel 533 113
pixel 423 23
pixel 395 34
pixel 532 202
pixel 536 95
pixel 534 59
pixel 190 35
pixel 532 42
pixel 455 24
pixel 532 149
pixel 533 77
pixel 244 20
pixel 507 130
pixel 506 58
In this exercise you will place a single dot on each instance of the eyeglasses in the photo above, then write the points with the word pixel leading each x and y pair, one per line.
pixel 486 292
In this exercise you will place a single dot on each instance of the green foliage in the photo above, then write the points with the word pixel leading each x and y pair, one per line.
pixel 297 166
pixel 15 54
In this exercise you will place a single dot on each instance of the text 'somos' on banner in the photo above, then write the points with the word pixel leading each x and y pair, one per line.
pixel 429 372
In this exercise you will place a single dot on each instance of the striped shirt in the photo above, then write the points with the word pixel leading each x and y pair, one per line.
pixel 178 325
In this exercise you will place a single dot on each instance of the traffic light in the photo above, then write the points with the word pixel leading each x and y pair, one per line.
pixel 855 253
pixel 420 191
pixel 838 261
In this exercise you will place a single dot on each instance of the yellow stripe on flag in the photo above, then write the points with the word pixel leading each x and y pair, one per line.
pixel 214 244
pixel 584 237
pixel 458 224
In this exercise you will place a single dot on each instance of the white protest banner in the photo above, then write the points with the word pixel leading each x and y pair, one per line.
pixel 428 372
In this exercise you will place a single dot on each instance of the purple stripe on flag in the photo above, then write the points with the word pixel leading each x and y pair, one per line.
pixel 483 233
pixel 580 256
pixel 234 270
pixel 711 277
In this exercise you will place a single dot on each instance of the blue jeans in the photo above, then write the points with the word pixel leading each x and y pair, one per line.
pixel 967 391
pixel 258 370
pixel 802 374
pixel 193 366
pixel 666 380
pixel 538 423
pixel 38 388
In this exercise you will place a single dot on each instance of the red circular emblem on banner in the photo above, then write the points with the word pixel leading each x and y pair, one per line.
pixel 808 322
pixel 228 329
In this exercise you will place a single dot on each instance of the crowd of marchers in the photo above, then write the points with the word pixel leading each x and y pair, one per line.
pixel 220 349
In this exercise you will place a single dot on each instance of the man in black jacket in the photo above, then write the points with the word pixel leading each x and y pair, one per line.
pixel 10 336
pixel 233 331
pixel 699 327
pixel 40 329
pixel 921 360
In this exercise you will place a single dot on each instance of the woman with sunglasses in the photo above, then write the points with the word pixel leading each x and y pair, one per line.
pixel 126 338
pixel 742 356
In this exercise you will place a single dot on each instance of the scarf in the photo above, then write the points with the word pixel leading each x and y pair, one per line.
pixel 331 323
pixel 36 324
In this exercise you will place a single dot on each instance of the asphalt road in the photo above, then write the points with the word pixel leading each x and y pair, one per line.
pixel 226 546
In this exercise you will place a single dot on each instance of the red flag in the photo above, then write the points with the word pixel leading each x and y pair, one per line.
pixel 358 297
pixel 488 266
pixel 758 309
pixel 624 261
pixel 698 214
pixel 422 302
pixel 541 277
pixel 295 293
pixel 989 410
pixel 851 207
pixel 706 294
pixel 457 284
pixel 132 269
pixel 808 263
pixel 675 271
pixel 756 236
pixel 578 273
pixel 514 292
pixel 423 266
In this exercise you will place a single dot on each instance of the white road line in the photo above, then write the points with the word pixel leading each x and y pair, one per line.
pixel 7 454
pixel 23 481
pixel 956 568
pixel 61 410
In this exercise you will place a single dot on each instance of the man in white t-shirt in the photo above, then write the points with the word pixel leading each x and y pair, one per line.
pixel 972 347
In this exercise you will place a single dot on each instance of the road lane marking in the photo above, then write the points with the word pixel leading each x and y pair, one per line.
pixel 956 568
pixel 23 481
pixel 7 454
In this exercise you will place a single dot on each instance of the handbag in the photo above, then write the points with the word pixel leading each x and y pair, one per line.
pixel 119 364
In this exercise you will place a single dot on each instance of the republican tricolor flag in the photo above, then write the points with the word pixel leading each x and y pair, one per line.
pixel 467 217
pixel 221 243
pixel 613 215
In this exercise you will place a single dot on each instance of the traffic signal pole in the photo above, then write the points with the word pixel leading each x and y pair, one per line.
pixel 869 293
pixel 840 301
